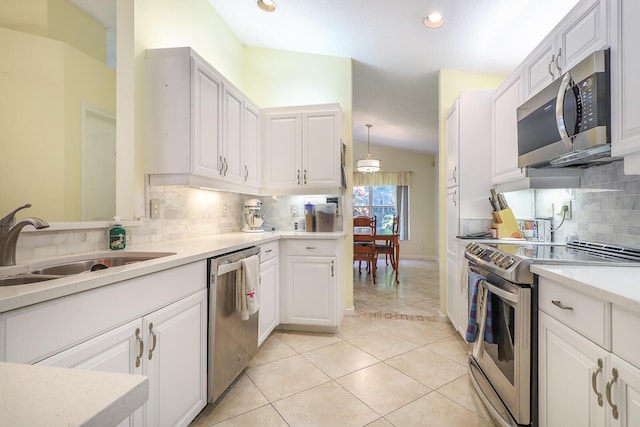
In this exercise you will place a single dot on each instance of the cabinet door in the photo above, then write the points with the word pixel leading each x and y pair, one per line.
pixel 321 149
pixel 283 156
pixel 206 116
pixel 452 291
pixel 540 67
pixel 625 85
pixel 462 285
pixel 583 31
pixel 269 314
pixel 232 133
pixel 625 393
pixel 175 357
pixel 453 141
pixel 311 288
pixel 504 142
pixel 571 377
pixel 115 351
pixel 251 149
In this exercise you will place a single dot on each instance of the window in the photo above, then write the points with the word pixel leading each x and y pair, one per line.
pixel 381 202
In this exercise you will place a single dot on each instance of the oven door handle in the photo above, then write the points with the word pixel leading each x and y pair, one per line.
pixel 500 292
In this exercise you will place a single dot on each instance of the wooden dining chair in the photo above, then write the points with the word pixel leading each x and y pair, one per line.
pixel 364 247
pixel 388 248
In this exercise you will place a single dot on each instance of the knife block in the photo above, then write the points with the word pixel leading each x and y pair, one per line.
pixel 505 224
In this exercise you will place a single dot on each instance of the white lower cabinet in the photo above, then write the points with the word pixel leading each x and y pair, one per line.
pixel 153 325
pixel 269 295
pixel 168 346
pixel 314 295
pixel 582 383
pixel 571 372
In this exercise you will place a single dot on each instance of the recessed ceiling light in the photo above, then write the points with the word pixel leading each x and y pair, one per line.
pixel 267 5
pixel 434 20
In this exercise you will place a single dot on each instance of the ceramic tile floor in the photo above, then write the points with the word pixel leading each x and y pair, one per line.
pixel 395 363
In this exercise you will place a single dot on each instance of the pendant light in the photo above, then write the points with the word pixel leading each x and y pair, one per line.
pixel 368 165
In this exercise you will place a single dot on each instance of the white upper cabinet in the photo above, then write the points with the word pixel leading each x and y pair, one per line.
pixel 625 86
pixel 504 141
pixel 302 149
pixel 581 32
pixel 200 129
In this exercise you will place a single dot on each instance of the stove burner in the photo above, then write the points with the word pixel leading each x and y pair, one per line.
pixel 511 260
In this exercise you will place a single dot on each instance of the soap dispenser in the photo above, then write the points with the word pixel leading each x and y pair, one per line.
pixel 117 235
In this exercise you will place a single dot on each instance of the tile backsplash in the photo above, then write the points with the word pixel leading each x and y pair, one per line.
pixel 184 213
pixel 606 207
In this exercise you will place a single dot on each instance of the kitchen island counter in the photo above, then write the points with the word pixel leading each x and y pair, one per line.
pixel 32 395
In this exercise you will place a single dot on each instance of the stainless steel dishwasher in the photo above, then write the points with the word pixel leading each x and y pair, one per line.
pixel 232 341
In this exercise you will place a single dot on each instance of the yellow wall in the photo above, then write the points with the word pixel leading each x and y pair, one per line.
pixel 269 77
pixel 451 84
pixel 58 20
pixel 40 121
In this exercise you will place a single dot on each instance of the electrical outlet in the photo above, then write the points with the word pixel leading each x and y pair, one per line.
pixel 155 209
pixel 224 210
pixel 566 205
pixel 294 211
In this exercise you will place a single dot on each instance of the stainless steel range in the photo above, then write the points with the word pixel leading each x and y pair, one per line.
pixel 503 362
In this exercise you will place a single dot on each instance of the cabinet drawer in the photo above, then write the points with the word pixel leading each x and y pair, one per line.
pixel 625 326
pixel 588 316
pixel 311 247
pixel 268 251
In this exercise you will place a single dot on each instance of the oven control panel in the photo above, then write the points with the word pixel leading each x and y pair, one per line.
pixel 491 256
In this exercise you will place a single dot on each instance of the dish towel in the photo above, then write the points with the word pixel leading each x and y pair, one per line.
pixel 472 326
pixel 247 281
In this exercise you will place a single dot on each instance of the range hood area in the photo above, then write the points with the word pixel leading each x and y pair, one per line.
pixel 543 179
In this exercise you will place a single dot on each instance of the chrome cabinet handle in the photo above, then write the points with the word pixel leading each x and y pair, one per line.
pixel 559 304
pixel 305 177
pixel 310 247
pixel 594 385
pixel 614 408
pixel 332 272
pixel 558 59
pixel 141 343
pixel 298 176
pixel 226 166
pixel 454 198
pixel 549 68
pixel 221 166
pixel 246 173
pixel 455 173
pixel 153 346
pixel 268 250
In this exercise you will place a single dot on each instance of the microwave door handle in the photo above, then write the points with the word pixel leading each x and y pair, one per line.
pixel 562 129
pixel 505 295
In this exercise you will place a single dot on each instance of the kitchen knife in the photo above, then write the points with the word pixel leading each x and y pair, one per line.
pixel 494 204
pixel 502 201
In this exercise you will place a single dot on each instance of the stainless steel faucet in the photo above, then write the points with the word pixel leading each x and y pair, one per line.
pixel 9 232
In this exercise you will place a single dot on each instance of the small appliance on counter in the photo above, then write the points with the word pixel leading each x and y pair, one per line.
pixel 253 216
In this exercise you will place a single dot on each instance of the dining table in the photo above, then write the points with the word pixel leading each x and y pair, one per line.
pixel 394 239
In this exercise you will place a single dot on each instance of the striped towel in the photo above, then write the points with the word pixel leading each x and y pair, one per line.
pixel 472 326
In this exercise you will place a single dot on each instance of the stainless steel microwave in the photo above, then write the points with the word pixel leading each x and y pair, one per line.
pixel 568 122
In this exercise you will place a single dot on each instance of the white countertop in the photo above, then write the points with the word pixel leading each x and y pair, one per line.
pixel 67 397
pixel 618 285
pixel 186 251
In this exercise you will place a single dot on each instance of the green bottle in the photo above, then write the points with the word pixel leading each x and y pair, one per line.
pixel 117 235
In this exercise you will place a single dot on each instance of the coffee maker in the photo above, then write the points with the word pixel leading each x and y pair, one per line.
pixel 253 216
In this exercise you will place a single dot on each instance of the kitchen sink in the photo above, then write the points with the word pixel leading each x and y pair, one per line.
pixel 79 264
pixel 99 262
pixel 25 278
